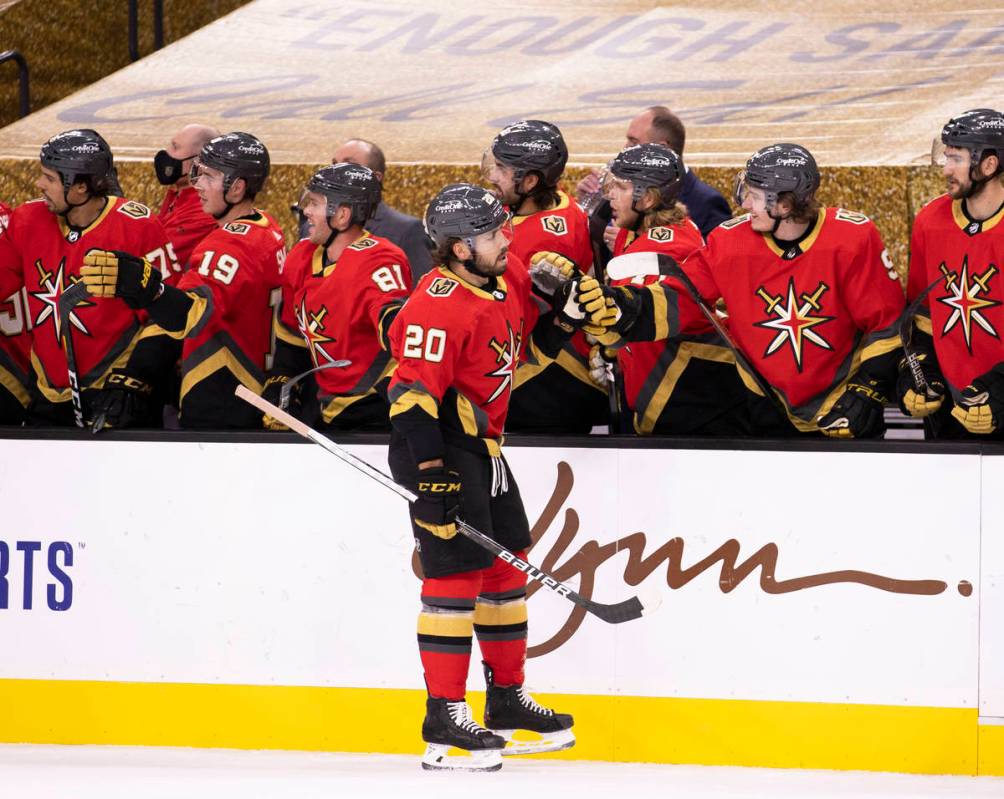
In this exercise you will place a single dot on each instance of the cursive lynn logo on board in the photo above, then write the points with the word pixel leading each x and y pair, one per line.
pixel 591 556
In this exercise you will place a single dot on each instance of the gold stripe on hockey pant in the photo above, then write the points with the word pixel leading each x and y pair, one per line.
pixel 504 620
pixel 448 632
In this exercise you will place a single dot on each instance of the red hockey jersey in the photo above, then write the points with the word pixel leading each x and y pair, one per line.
pixel 809 316
pixel 964 313
pixel 42 254
pixel 650 377
pixel 457 347
pixel 15 335
pixel 339 312
pixel 238 266
pixel 552 394
pixel 185 224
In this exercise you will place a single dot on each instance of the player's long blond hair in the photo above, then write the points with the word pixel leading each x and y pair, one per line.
pixel 662 214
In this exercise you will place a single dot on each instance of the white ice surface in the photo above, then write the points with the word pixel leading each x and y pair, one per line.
pixel 107 772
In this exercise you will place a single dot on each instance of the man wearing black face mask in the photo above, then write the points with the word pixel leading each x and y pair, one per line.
pixel 181 214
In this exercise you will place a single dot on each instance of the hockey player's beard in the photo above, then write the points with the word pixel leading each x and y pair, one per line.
pixel 955 189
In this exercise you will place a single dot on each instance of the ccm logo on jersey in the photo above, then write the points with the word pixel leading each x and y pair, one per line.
pixel 660 234
pixel 441 287
pixel 238 228
pixel 555 225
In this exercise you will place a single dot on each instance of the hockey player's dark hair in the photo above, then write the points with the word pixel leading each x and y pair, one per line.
pixel 667 128
pixel 542 195
pixel 803 210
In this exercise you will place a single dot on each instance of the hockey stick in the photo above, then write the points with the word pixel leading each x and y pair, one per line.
pixel 669 267
pixel 287 387
pixel 906 338
pixel 616 613
pixel 65 305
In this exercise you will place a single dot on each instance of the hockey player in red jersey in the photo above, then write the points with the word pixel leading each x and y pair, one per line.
pixel 687 384
pixel 523 166
pixel 15 349
pixel 116 364
pixel 224 304
pixel 957 244
pixel 457 342
pixel 342 289
pixel 181 214
pixel 812 298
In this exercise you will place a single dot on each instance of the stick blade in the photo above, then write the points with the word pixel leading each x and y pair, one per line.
pixel 634 608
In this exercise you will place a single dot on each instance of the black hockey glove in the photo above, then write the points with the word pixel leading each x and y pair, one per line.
pixel 123 402
pixel 439 492
pixel 271 392
pixel 576 302
pixel 856 414
pixel 112 273
pixel 920 386
pixel 980 409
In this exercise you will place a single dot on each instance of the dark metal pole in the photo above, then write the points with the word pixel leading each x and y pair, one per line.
pixel 133 31
pixel 23 78
pixel 158 24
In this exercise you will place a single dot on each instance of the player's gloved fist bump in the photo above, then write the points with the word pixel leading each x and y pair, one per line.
pixel 980 409
pixel 112 273
pixel 439 492
pixel 123 401
pixel 920 398
pixel 858 413
pixel 601 361
pixel 272 392
pixel 549 270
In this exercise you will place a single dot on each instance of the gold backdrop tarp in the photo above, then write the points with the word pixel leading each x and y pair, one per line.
pixel 890 195
pixel 70 44
pixel 859 83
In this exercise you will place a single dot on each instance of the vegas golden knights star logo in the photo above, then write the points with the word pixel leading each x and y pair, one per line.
pixel 506 356
pixel 52 286
pixel 967 299
pixel 555 225
pixel 794 318
pixel 311 325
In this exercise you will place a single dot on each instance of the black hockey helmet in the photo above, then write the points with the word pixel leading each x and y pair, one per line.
pixel 777 169
pixel 79 155
pixel 530 146
pixel 348 184
pixel 981 131
pixel 649 166
pixel 236 155
pixel 463 211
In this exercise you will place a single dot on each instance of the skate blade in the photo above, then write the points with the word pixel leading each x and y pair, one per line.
pixel 437 757
pixel 545 742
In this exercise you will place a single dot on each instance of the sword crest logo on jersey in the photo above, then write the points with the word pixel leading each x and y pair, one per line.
pixel 53 284
pixel 506 356
pixel 794 317
pixel 555 225
pixel 311 325
pixel 968 300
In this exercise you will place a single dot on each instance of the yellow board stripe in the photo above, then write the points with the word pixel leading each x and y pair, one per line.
pixel 620 728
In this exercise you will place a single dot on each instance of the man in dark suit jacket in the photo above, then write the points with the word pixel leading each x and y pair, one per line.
pixel 657 125
pixel 405 231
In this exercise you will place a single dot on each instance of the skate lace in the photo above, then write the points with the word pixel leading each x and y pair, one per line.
pixel 530 703
pixel 460 712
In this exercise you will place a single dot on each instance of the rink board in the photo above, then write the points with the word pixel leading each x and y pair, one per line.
pixel 821 609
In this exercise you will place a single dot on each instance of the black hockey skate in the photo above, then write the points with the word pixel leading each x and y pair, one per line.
pixel 449 724
pixel 512 709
